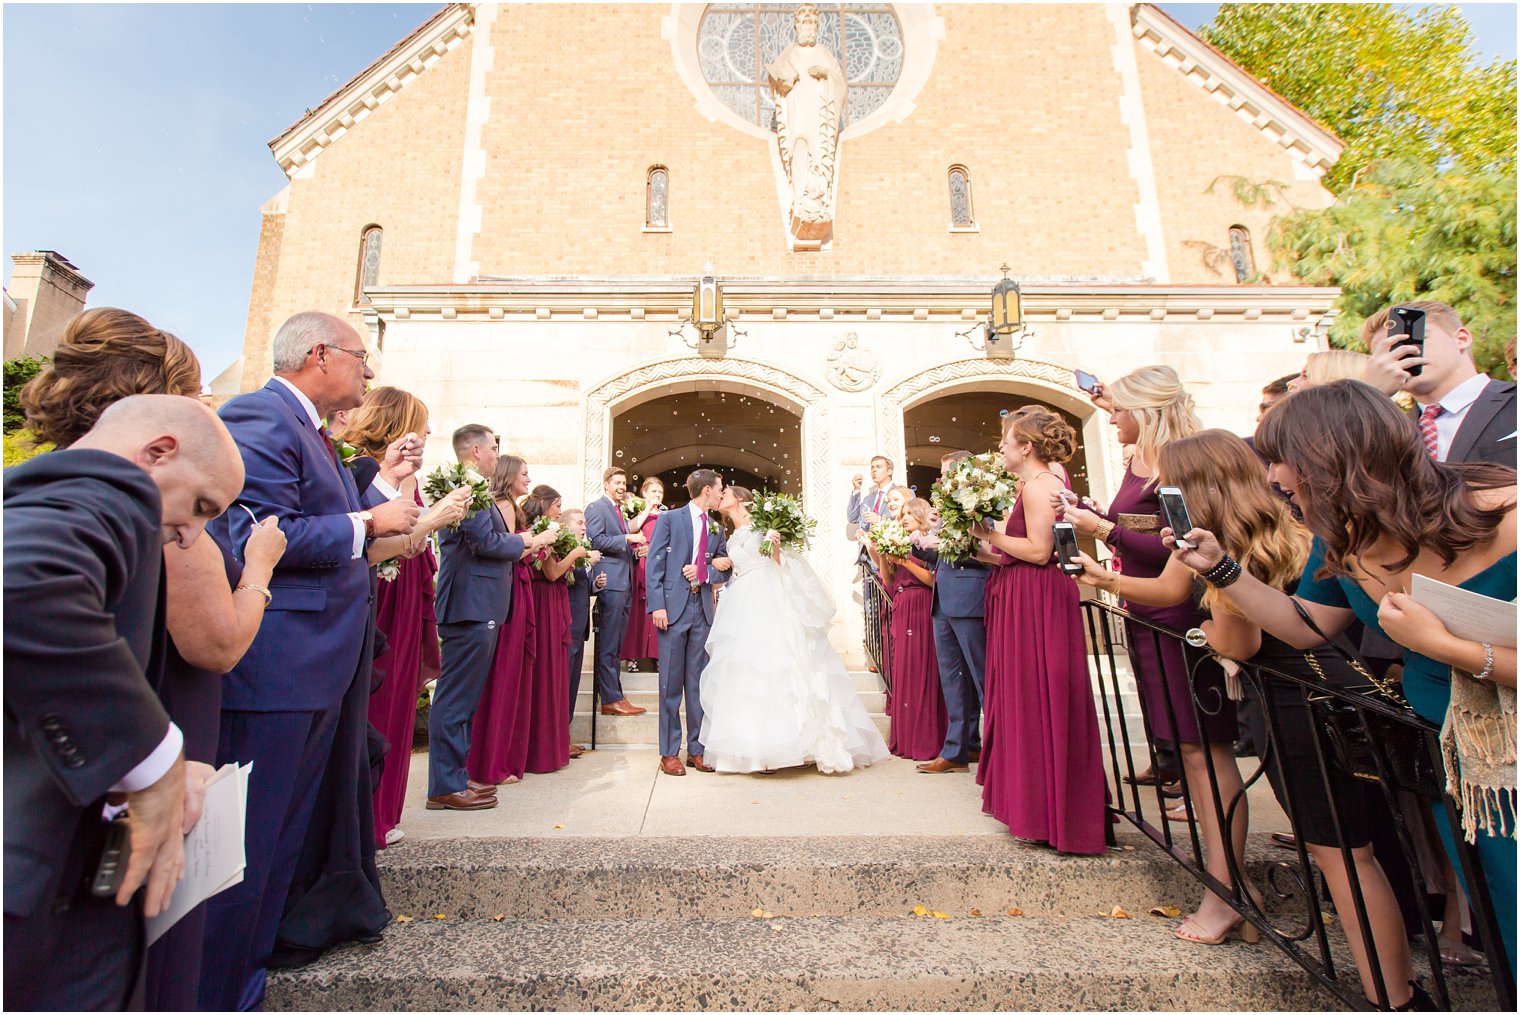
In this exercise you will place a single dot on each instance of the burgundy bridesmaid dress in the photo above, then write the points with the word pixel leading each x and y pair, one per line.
pixel 404 611
pixel 1042 763
pixel 499 734
pixel 548 737
pixel 995 672
pixel 641 640
pixel 917 705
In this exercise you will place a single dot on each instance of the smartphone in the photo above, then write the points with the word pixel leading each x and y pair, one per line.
pixel 113 859
pixel 1174 511
pixel 1086 381
pixel 1410 324
pixel 1066 548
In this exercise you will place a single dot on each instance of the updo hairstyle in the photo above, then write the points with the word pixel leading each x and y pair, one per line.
pixel 1050 437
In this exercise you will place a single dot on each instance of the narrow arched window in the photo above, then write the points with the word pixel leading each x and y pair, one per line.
pixel 960 198
pixel 369 262
pixel 1240 253
pixel 657 199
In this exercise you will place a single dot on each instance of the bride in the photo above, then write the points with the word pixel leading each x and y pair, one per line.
pixel 774 693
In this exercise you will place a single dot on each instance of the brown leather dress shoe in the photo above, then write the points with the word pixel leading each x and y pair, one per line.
pixel 576 750
pixel 671 765
pixel 464 800
pixel 939 765
pixel 622 707
pixel 698 762
pixel 481 788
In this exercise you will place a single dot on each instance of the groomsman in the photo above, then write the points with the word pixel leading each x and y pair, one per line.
pixel 865 507
pixel 607 529
pixel 84 535
pixel 281 703
pixel 960 645
pixel 678 584
pixel 474 599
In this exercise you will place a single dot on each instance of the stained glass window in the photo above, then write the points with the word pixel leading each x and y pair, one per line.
pixel 1240 253
pixel 656 203
pixel 736 41
pixel 369 262
pixel 960 197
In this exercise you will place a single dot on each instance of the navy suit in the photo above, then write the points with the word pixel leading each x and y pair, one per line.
pixel 83 558
pixel 580 626
pixel 281 703
pixel 474 599
pixel 689 616
pixel 608 532
pixel 960 646
pixel 1487 433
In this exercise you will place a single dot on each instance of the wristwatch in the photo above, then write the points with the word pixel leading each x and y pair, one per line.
pixel 369 524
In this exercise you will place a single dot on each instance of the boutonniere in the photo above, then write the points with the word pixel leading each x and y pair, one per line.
pixel 346 451
pixel 388 570
pixel 713 528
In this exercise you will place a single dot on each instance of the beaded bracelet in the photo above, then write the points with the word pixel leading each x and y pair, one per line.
pixel 1224 573
pixel 1488 663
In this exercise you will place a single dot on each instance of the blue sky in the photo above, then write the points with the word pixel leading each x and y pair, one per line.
pixel 135 138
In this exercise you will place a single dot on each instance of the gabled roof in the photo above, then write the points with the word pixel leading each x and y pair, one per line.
pixel 335 115
pixel 1203 65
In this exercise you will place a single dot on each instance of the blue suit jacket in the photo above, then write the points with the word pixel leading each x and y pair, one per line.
pixel 959 585
pixel 475 570
pixel 670 549
pixel 308 647
pixel 607 535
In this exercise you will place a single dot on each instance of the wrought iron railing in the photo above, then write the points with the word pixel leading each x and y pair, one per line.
pixel 877 616
pixel 1393 748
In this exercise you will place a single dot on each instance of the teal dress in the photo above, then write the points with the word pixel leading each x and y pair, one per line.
pixel 1427 686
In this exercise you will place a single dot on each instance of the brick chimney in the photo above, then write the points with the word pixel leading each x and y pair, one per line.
pixel 48 292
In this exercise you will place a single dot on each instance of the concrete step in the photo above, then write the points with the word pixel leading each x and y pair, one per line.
pixel 901 963
pixel 643 730
pixel 722 878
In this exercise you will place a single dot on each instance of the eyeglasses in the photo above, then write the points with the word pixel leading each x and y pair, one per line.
pixel 362 355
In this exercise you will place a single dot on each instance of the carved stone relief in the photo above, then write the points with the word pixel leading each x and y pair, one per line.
pixel 851 366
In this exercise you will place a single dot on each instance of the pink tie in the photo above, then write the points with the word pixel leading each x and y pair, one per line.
pixel 876 506
pixel 1428 429
pixel 702 552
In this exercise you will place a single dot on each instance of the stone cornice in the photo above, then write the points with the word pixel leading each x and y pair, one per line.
pixel 1203 65
pixel 753 299
pixel 306 139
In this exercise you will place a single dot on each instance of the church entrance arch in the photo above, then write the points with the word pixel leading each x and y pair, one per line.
pixel 757 425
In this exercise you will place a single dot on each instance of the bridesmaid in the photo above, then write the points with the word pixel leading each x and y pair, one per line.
pixel 641 643
pixel 403 605
pixel 499 742
pixel 548 691
pixel 917 706
pixel 1042 770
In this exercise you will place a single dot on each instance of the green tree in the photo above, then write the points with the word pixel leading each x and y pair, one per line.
pixel 17 372
pixel 1390 81
pixel 1405 232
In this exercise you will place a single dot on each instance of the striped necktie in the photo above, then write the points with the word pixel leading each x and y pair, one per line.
pixel 1428 429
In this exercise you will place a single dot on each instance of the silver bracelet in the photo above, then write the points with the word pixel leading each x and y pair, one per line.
pixel 1488 663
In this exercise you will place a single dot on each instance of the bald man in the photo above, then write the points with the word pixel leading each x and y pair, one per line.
pixel 84 530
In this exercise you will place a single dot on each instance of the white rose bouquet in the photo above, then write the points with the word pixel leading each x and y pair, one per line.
pixel 784 514
pixel 890 538
pixel 565 540
pixel 632 506
pixel 977 489
pixel 445 479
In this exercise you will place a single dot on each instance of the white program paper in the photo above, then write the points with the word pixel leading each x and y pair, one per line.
pixel 1467 614
pixel 214 853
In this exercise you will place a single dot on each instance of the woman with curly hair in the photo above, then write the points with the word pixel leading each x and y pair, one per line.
pixel 1041 770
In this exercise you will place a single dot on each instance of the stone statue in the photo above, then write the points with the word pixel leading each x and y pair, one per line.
pixel 852 367
pixel 810 90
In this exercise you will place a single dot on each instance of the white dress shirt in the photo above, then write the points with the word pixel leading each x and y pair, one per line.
pixel 316 422
pixel 1453 410
pixel 698 523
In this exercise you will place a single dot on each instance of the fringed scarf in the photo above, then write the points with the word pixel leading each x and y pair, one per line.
pixel 1478 751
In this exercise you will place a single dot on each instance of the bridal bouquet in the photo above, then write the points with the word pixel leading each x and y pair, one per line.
pixel 445 479
pixel 890 538
pixel 977 489
pixel 632 506
pixel 783 514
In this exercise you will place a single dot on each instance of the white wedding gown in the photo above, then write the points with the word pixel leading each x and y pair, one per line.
pixel 774 693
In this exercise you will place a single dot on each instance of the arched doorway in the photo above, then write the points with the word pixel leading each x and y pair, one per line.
pixel 971 421
pixel 750 440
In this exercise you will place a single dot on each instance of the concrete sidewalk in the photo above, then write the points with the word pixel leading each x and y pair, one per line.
pixel 622 793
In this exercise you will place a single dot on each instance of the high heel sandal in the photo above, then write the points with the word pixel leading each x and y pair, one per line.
pixel 1247 931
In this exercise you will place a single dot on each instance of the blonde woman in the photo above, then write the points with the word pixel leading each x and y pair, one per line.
pixel 1331 365
pixel 1150 409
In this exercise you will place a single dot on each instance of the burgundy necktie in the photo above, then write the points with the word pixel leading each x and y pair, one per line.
pixel 876 505
pixel 702 551
pixel 622 519
pixel 1428 429
pixel 332 449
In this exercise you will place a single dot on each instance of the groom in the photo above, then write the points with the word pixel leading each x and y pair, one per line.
pixel 679 579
